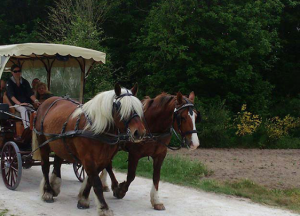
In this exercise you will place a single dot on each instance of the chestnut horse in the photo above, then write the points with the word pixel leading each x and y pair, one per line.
pixel 161 113
pixel 101 118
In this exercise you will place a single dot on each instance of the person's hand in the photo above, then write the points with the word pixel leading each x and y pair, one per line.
pixel 37 104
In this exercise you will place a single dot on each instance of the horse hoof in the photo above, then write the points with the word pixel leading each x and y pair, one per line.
pixel 48 197
pixel 80 206
pixel 49 201
pixel 118 195
pixel 106 189
pixel 83 204
pixel 105 212
pixel 159 207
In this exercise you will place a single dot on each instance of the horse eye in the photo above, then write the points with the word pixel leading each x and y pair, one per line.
pixel 183 118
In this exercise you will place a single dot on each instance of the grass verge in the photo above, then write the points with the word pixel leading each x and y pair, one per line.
pixel 184 172
pixel 3 212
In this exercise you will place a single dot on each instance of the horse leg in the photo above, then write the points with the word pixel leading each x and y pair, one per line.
pixel 45 187
pixel 102 208
pixel 55 179
pixel 120 192
pixel 154 197
pixel 103 177
pixel 83 196
pixel 114 181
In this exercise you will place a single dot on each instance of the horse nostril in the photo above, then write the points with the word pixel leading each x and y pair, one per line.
pixel 136 134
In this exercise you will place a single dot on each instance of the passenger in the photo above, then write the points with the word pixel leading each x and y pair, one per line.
pixel 19 93
pixel 42 92
pixel 33 84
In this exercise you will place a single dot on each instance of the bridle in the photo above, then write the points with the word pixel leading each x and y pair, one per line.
pixel 177 117
pixel 117 107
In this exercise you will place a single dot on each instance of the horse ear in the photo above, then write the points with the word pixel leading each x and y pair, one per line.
pixel 179 98
pixel 134 89
pixel 192 96
pixel 117 89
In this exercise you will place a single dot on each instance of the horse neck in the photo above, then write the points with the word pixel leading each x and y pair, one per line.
pixel 160 119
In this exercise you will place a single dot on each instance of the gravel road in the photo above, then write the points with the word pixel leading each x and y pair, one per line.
pixel 25 201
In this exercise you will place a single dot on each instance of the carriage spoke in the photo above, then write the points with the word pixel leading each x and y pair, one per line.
pixel 15 169
pixel 81 172
pixel 5 155
pixel 12 177
pixel 8 177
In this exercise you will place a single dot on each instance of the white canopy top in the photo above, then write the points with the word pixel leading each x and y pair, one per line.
pixel 32 49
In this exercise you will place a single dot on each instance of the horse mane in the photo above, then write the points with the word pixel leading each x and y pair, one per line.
pixel 160 100
pixel 99 109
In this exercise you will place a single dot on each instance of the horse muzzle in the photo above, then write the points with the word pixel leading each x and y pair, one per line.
pixel 137 135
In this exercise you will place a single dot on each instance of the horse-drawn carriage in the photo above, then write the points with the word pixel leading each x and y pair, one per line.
pixel 64 69
pixel 86 134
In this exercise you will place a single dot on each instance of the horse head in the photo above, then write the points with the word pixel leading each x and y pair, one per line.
pixel 185 119
pixel 127 113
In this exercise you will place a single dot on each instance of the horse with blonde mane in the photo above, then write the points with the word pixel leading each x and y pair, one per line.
pixel 87 134
pixel 161 114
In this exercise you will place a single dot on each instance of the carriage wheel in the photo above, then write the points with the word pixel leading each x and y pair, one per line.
pixel 11 165
pixel 79 171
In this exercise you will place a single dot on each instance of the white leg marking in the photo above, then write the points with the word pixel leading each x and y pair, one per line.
pixel 42 186
pixel 55 183
pixel 81 199
pixel 45 195
pixel 102 212
pixel 195 139
pixel 103 177
pixel 154 197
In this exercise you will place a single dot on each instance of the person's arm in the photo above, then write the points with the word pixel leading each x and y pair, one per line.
pixel 11 94
pixel 30 93
pixel 16 101
pixel 36 101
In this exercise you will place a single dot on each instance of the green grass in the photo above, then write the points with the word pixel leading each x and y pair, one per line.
pixel 3 212
pixel 185 172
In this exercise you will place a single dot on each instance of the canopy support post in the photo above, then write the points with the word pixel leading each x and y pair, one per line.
pixel 48 67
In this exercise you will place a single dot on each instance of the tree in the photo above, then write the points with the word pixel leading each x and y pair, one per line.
pixel 74 22
pixel 19 20
pixel 216 48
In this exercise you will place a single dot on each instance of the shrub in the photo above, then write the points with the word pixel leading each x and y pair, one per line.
pixel 246 122
pixel 215 129
pixel 278 128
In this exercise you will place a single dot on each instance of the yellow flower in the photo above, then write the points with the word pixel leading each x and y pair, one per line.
pixel 246 122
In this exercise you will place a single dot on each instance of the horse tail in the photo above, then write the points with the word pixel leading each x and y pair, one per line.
pixel 35 146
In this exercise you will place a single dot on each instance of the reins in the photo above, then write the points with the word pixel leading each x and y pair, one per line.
pixel 108 138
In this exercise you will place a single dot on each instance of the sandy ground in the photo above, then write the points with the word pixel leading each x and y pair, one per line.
pixel 271 168
pixel 179 201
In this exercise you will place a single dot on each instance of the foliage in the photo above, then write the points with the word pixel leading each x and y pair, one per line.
pixel 278 128
pixel 229 52
pixel 215 127
pixel 246 122
pixel 215 48
pixel 19 20
pixel 79 28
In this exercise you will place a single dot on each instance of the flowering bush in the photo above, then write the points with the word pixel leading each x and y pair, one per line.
pixel 246 122
pixel 277 127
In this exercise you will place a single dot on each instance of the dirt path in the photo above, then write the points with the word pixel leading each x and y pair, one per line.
pixel 178 200
pixel 271 168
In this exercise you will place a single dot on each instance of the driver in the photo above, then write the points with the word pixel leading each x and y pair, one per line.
pixel 20 93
